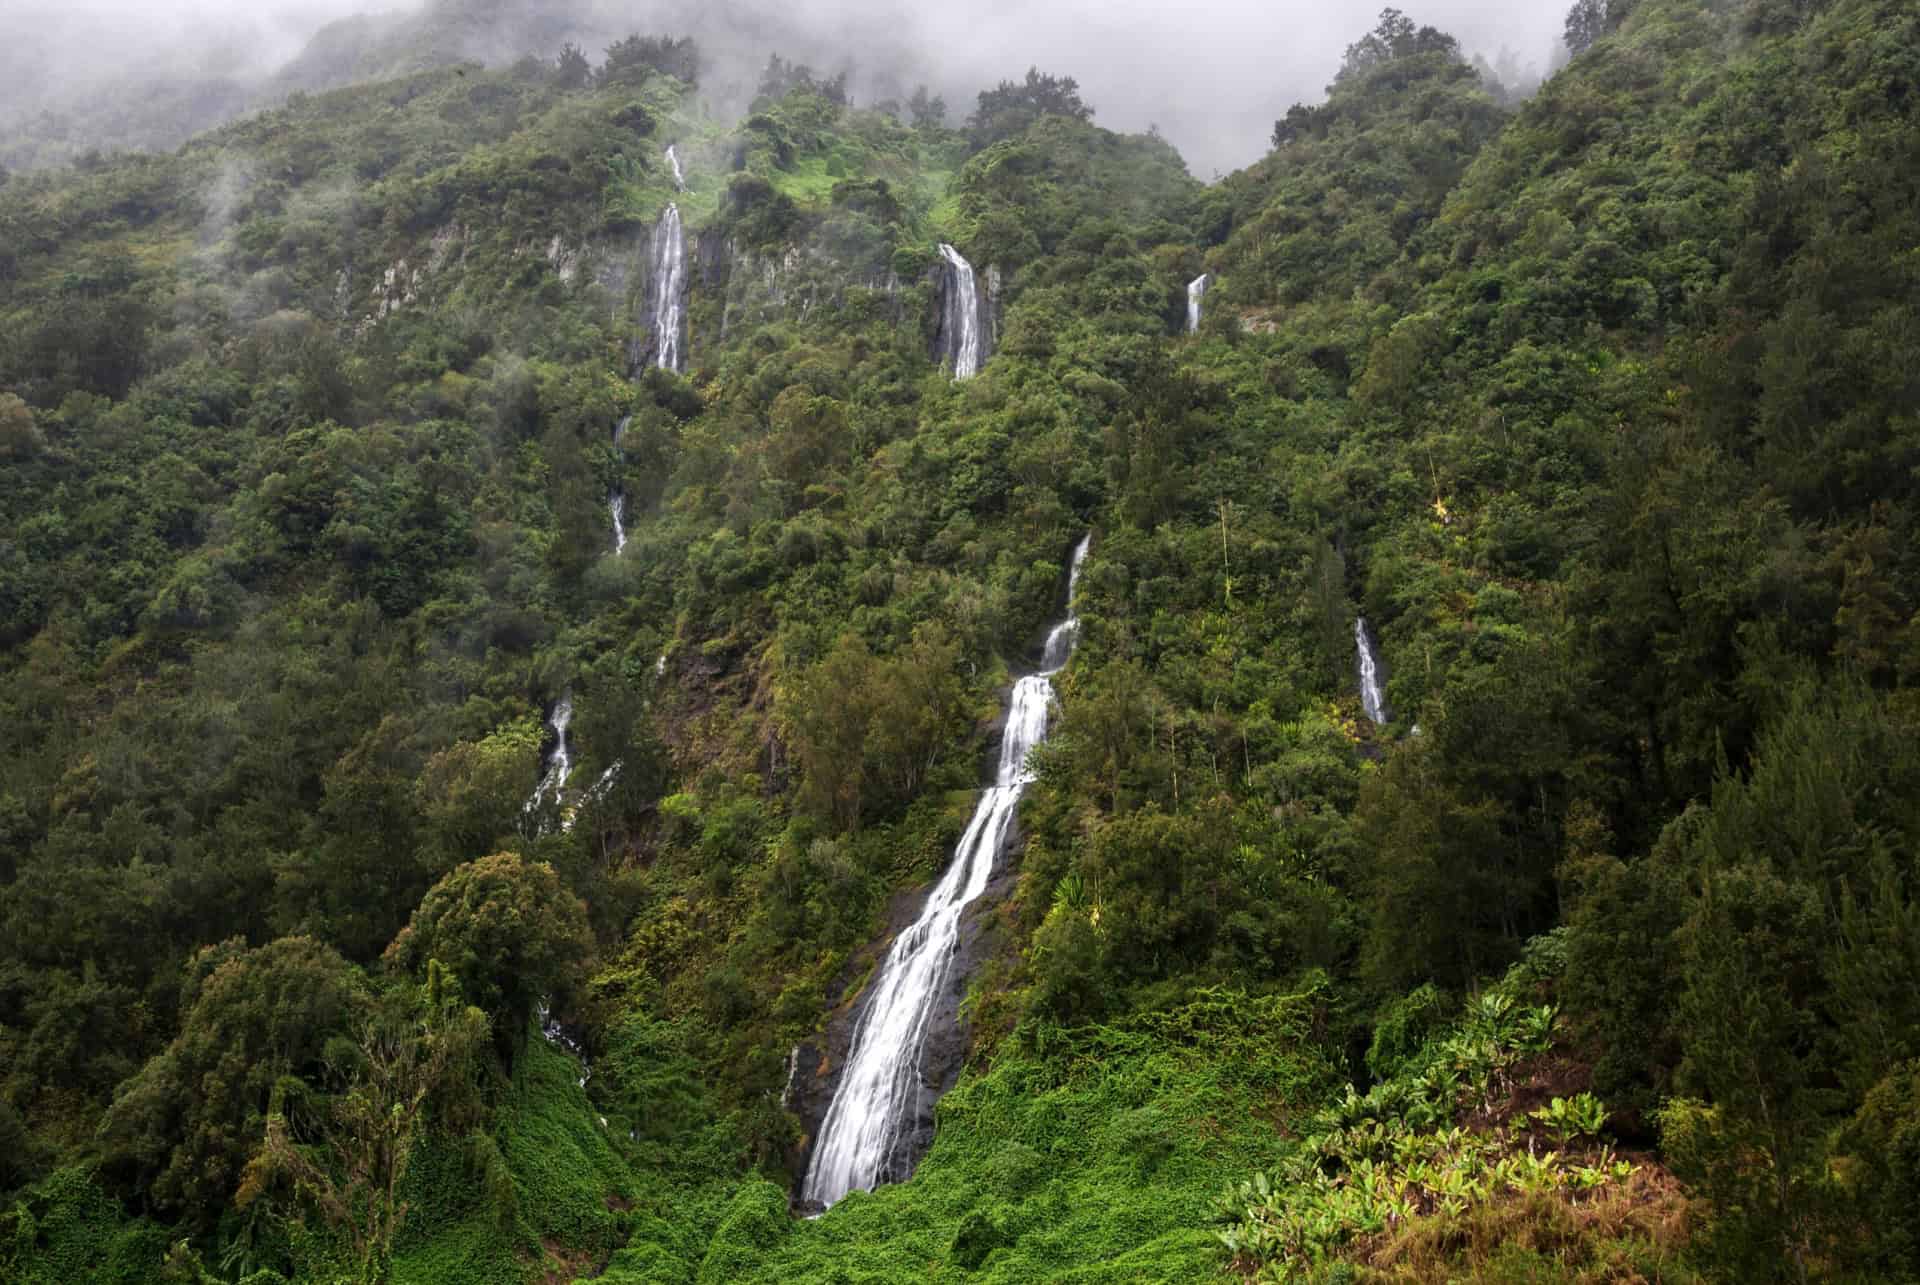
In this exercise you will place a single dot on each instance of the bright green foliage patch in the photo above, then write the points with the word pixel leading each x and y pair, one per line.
pixel 67 1229
pixel 565 1181
pixel 1087 1154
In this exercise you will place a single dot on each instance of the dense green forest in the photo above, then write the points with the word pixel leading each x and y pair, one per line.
pixel 1599 959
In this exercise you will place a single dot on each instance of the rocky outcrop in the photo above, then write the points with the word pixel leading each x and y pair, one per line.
pixel 754 286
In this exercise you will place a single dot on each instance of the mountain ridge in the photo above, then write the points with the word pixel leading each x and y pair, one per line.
pixel 1592 407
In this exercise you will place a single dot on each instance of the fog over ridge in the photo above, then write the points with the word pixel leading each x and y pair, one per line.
pixel 1212 75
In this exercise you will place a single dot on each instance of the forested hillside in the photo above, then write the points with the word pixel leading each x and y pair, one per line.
pixel 501 626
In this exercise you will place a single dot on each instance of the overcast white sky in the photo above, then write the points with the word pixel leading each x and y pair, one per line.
pixel 1213 74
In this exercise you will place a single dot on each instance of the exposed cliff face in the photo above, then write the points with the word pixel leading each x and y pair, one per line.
pixel 423 271
pixel 740 285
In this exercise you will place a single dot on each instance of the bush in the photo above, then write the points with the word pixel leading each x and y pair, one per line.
pixel 756 1223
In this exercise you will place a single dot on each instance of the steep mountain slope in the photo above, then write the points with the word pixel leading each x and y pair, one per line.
pixel 1594 410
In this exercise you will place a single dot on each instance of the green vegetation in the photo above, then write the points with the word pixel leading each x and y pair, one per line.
pixel 1092 1153
pixel 1437 1169
pixel 1596 963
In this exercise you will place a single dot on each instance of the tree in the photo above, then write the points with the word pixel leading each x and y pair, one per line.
pixel 927 112
pixel 571 69
pixel 361 867
pixel 1750 958
pixel 185 1127
pixel 19 436
pixel 780 78
pixel 1291 127
pixel 470 793
pixel 629 60
pixel 20 1157
pixel 400 1064
pixel 1586 23
pixel 1793 972
pixel 509 930
pixel 1395 37
pixel 93 339
pixel 1009 108
pixel 1883 1144
pixel 1429 874
pixel 865 731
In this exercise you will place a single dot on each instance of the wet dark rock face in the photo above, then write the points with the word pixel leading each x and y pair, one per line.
pixel 944 1055
pixel 819 1061
pixel 947 308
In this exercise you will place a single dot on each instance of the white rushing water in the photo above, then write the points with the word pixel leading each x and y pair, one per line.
pixel 559 763
pixel 553 782
pixel 1196 294
pixel 669 290
pixel 963 314
pixel 679 175
pixel 1372 698
pixel 793 1078
pixel 881 1086
pixel 594 794
pixel 617 498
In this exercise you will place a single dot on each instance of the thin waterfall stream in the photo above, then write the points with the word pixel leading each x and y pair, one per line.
pixel 668 318
pixel 862 1140
pixel 617 498
pixel 1373 696
pixel 1196 296
pixel 553 780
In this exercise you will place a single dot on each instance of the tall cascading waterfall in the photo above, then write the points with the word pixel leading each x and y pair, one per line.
pixel 882 1087
pixel 559 763
pixel 668 318
pixel 1196 295
pixel 669 290
pixel 962 322
pixel 1373 696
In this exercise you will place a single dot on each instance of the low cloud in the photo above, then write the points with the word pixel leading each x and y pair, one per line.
pixel 1212 75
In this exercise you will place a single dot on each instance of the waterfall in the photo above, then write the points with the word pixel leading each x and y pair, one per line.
pixel 962 322
pixel 1373 696
pixel 669 290
pixel 556 1035
pixel 553 781
pixel 679 175
pixel 617 498
pixel 861 1139
pixel 1196 292
pixel 793 1077
pixel 594 794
